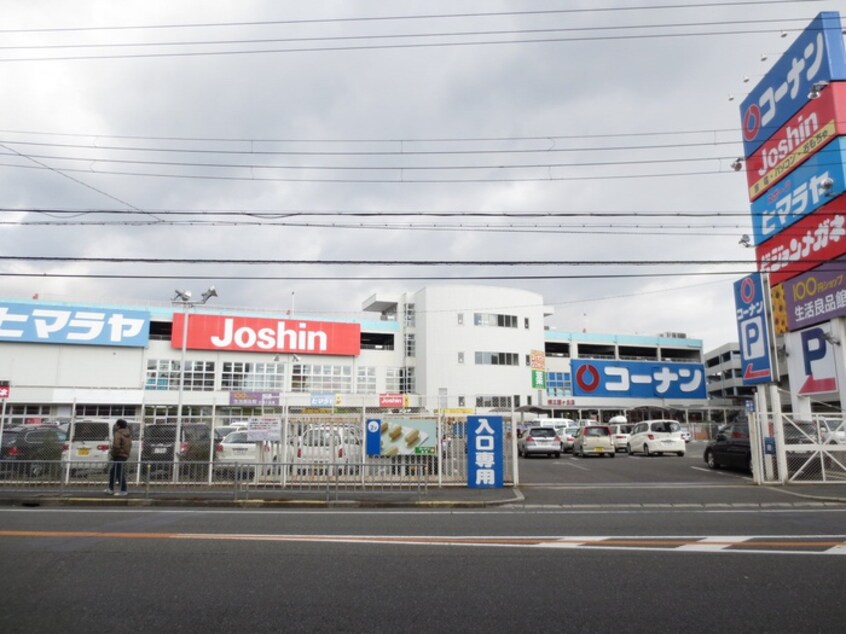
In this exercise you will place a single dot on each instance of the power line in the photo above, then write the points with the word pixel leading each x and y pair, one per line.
pixel 376 47
pixel 347 38
pixel 431 16
pixel 328 262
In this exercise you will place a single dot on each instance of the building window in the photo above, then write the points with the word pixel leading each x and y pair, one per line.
pixel 410 315
pixel 461 357
pixel 163 374
pixel 199 376
pixel 461 401
pixel 315 377
pixel 528 360
pixel 392 380
pixel 365 380
pixel 26 414
pixel 493 401
pixel 558 385
pixel 496 320
pixel 407 382
pixel 410 345
pixel 460 319
pixel 105 411
pixel 497 358
pixel 526 323
pixel 238 375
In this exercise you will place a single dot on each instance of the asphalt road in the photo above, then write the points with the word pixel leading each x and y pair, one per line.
pixel 628 544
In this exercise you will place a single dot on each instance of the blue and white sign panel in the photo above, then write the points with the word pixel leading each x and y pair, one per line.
pixel 82 325
pixel 801 192
pixel 752 332
pixel 322 399
pixel 818 54
pixel 485 456
pixel 638 379
pixel 373 436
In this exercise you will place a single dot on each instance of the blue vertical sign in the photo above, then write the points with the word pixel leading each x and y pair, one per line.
pixel 485 457
pixel 752 333
pixel 373 436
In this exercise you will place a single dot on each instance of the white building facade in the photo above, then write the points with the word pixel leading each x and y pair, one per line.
pixel 453 350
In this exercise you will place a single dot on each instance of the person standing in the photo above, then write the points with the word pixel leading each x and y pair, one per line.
pixel 119 454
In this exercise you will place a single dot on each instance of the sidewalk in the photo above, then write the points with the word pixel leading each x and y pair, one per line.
pixel 433 497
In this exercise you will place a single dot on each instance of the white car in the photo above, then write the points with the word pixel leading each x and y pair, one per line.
pixel 653 437
pixel 594 440
pixel 322 445
pixel 620 434
pixel 235 449
pixel 87 447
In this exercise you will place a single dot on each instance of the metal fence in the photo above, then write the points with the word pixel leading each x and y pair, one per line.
pixel 801 450
pixel 308 453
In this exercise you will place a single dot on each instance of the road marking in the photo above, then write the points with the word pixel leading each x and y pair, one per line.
pixel 790 544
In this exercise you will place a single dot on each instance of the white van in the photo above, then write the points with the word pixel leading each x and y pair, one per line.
pixel 87 446
pixel 656 436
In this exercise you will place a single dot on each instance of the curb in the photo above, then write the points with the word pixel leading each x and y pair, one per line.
pixel 132 502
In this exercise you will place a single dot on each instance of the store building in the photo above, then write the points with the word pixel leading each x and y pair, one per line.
pixel 453 350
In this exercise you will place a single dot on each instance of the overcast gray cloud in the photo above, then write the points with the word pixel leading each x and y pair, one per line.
pixel 311 107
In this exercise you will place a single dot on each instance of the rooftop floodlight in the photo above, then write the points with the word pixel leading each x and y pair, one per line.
pixel 764 57
pixel 731 97
pixel 737 165
pixel 745 240
pixel 182 296
pixel 816 88
pixel 209 293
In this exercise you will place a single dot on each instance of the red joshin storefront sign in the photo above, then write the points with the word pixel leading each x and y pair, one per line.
pixel 252 334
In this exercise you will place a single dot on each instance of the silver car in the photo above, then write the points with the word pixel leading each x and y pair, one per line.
pixel 539 440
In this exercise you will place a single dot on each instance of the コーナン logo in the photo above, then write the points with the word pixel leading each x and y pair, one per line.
pixel 587 378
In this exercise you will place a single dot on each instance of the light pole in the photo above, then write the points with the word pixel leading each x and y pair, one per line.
pixel 183 298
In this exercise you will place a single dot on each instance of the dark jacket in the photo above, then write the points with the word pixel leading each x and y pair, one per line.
pixel 121 443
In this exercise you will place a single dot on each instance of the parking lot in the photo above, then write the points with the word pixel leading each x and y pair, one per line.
pixel 627 470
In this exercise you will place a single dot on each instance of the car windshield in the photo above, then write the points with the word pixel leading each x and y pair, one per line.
pixel 542 432
pixel 236 437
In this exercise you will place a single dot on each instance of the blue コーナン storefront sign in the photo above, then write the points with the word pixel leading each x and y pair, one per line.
pixel 82 325
pixel 818 54
pixel 485 456
pixel 638 379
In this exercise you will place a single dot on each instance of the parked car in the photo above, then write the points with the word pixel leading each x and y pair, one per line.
pixel 730 448
pixel 620 434
pixel 569 437
pixel 833 431
pixel 86 448
pixel 235 449
pixel 322 444
pixel 38 449
pixel 539 440
pixel 653 437
pixel 195 442
pixel 594 440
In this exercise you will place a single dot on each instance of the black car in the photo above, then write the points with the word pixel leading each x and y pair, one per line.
pixel 195 444
pixel 36 448
pixel 730 448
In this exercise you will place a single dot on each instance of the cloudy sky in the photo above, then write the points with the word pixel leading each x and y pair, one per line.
pixel 589 137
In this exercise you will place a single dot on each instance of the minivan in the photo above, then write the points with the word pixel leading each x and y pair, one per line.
pixel 653 437
pixel 87 446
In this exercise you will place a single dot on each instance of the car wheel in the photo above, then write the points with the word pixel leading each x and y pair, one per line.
pixel 711 460
pixel 629 449
pixel 680 454
pixel 558 454
pixel 646 452
pixel 612 454
pixel 749 463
